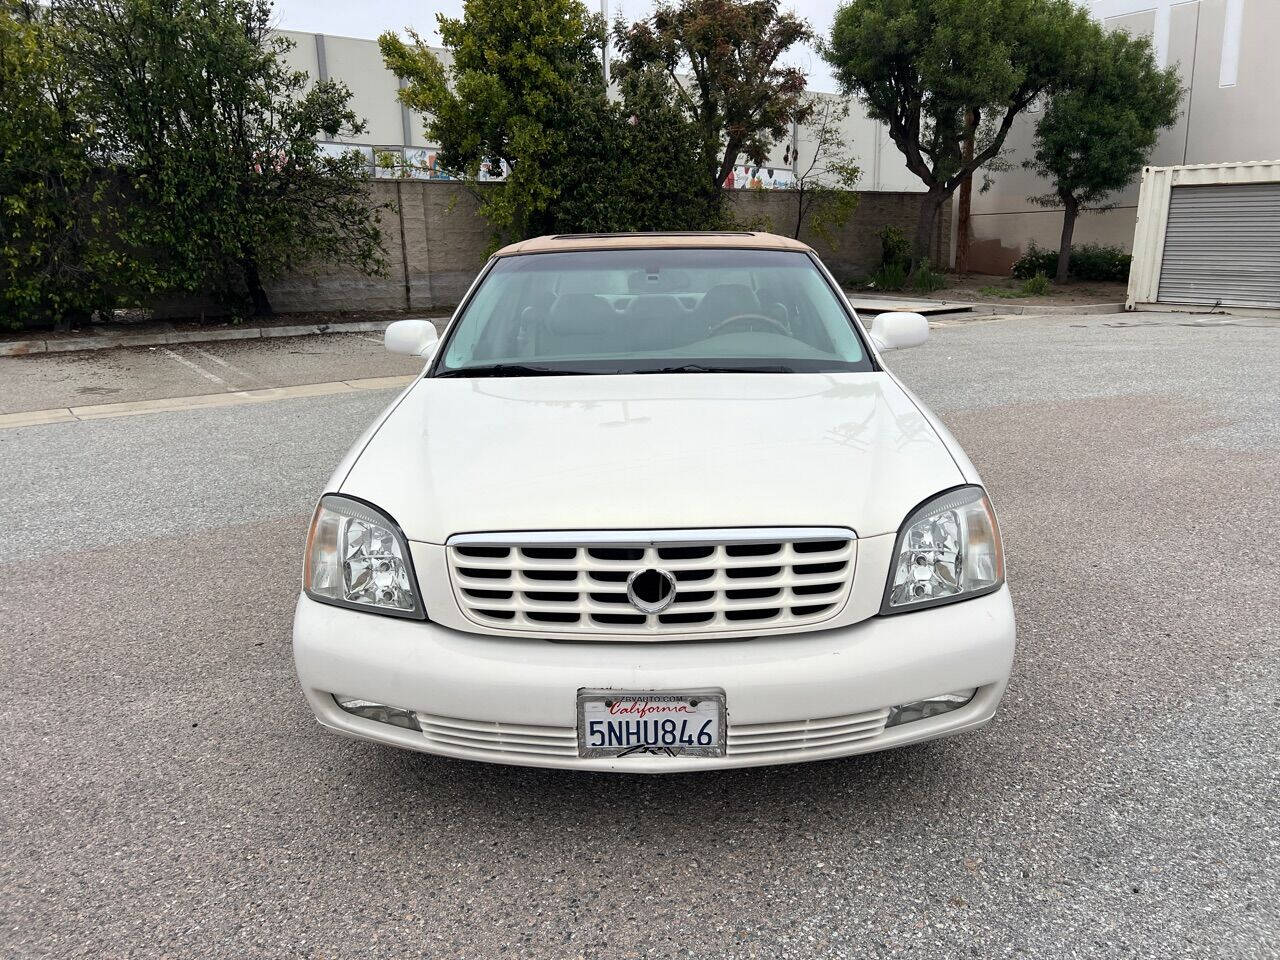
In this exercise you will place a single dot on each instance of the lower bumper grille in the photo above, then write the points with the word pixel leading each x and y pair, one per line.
pixel 499 738
pixel 805 735
pixel 755 739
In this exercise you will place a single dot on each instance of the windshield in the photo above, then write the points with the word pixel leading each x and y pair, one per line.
pixel 653 311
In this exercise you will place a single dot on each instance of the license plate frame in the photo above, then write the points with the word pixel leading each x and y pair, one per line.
pixel 702 703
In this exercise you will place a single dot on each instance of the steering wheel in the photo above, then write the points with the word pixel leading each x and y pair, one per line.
pixel 747 321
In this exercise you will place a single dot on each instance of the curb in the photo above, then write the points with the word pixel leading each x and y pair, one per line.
pixel 864 302
pixel 19 348
pixel 950 308
pixel 1079 309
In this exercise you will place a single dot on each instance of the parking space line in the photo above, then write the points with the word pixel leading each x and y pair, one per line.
pixel 195 367
pixel 239 371
pixel 235 398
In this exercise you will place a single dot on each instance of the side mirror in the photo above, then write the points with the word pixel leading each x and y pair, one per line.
pixel 897 331
pixel 417 338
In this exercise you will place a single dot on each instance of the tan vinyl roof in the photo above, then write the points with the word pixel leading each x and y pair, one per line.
pixel 631 241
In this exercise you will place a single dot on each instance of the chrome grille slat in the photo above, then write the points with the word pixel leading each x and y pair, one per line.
pixel 472 739
pixel 816 734
pixel 466 744
pixel 751 740
pixel 512 581
pixel 495 729
pixel 498 738
pixel 719 558
pixel 714 582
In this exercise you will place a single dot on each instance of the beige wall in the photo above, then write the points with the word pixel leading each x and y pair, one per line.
pixel 856 252
pixel 1218 123
pixel 436 241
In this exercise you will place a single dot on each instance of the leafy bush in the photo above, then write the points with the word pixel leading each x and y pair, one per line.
pixel 1035 261
pixel 895 248
pixel 927 280
pixel 55 259
pixel 890 276
pixel 1089 261
pixel 1036 286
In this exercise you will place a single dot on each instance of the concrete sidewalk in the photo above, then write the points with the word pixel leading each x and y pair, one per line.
pixel 882 303
pixel 167 334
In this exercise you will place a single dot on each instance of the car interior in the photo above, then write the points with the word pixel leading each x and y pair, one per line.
pixel 651 313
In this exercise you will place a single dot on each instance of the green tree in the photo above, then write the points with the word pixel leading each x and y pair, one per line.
pixel 54 263
pixel 937 72
pixel 1097 132
pixel 520 69
pixel 635 165
pixel 825 183
pixel 722 58
pixel 213 140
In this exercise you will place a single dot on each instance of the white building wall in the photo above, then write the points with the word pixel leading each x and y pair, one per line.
pixel 1225 52
pixel 358 63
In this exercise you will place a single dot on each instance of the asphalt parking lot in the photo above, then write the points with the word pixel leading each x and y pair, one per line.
pixel 46 381
pixel 167 794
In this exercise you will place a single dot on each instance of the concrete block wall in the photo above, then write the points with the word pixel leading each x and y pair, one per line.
pixel 436 241
pixel 857 249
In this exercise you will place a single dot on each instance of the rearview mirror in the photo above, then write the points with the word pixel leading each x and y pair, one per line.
pixel 897 331
pixel 417 338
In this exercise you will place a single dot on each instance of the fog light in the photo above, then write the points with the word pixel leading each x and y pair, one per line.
pixel 396 716
pixel 930 707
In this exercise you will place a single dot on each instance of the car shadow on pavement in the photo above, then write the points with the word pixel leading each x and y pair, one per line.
pixel 873 779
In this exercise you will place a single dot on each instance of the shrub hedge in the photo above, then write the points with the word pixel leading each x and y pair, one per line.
pixel 1089 261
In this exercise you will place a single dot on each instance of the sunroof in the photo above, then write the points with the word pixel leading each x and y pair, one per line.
pixel 655 233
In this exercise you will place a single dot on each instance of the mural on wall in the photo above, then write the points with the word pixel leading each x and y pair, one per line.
pixel 423 163
pixel 405 163
pixel 753 177
pixel 342 149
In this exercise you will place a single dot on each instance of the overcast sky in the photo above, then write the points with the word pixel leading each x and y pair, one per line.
pixel 371 17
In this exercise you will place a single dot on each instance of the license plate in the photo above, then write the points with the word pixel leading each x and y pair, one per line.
pixel 628 723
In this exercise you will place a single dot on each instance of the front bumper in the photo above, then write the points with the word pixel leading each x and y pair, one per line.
pixel 807 696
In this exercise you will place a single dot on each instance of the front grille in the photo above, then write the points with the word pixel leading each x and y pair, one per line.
pixel 726 582
pixel 795 738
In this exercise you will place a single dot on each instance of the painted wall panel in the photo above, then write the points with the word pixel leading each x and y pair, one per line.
pixel 1218 123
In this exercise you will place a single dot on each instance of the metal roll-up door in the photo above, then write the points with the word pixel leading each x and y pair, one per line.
pixel 1222 245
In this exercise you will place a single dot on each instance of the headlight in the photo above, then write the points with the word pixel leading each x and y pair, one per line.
pixel 356 557
pixel 948 549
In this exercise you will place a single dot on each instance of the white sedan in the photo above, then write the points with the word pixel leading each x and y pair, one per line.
pixel 655 504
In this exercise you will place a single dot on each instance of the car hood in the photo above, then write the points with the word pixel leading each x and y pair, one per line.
pixel 652 451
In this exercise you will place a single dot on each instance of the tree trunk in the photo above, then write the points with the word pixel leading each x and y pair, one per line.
pixel 257 295
pixel 1070 207
pixel 930 204
pixel 965 201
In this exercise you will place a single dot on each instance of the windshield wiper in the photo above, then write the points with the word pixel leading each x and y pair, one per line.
pixel 510 370
pixel 703 368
